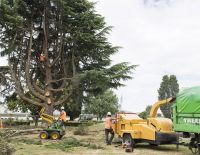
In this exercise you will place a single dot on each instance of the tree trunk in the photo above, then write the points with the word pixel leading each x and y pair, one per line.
pixel 36 122
pixel 100 117
pixel 49 109
pixel 35 119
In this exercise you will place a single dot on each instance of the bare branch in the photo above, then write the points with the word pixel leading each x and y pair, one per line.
pixel 19 90
pixel 60 51
pixel 35 86
pixel 64 71
pixel 66 97
pixel 27 71
pixel 57 90
pixel 16 81
pixel 54 81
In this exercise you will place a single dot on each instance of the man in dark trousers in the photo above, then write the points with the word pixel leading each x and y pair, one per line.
pixel 36 116
pixel 108 129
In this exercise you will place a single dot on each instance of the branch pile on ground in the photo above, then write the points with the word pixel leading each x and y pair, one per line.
pixel 5 147
pixel 6 134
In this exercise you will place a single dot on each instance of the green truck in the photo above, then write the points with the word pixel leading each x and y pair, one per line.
pixel 186 116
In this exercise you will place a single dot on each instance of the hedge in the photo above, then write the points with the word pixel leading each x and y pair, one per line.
pixel 15 123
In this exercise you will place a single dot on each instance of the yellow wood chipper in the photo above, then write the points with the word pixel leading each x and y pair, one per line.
pixel 155 131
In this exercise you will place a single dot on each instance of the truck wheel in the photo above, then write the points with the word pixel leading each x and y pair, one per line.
pixel 193 145
pixel 128 142
pixel 55 135
pixel 43 135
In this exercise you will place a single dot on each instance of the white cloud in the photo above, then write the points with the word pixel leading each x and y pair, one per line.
pixel 162 40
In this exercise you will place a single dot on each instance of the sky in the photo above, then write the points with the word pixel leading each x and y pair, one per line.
pixel 162 37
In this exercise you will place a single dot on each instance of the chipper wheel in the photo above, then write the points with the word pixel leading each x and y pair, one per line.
pixel 43 135
pixel 55 135
pixel 128 143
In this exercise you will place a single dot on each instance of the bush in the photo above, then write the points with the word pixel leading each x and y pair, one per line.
pixel 71 143
pixel 29 141
pixel 15 123
pixel 6 148
pixel 65 145
pixel 81 130
pixel 75 124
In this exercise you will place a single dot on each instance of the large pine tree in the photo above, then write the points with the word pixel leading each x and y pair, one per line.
pixel 57 51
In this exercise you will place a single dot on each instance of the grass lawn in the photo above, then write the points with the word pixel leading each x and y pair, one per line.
pixel 89 144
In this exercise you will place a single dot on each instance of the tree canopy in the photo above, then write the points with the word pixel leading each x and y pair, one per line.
pixel 169 87
pixel 58 51
pixel 145 114
pixel 101 104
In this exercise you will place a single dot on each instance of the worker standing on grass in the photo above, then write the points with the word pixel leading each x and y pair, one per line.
pixel 108 129
pixel 63 116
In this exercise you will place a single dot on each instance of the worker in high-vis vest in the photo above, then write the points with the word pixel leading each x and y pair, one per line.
pixel 63 116
pixel 108 129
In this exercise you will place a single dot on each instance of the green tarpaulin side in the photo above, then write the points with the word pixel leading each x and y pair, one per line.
pixel 188 100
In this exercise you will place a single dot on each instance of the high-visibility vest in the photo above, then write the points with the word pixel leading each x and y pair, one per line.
pixel 63 116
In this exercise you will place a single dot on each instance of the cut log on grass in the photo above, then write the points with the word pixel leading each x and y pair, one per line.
pixel 28 131
pixel 11 133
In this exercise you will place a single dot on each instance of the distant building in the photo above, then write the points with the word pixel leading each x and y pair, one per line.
pixel 15 116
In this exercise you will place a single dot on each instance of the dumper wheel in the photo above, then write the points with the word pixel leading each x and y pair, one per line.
pixel 44 135
pixel 128 142
pixel 55 135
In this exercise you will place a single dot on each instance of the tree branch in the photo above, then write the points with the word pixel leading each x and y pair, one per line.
pixel 5 77
pixel 35 86
pixel 18 87
pixel 16 81
pixel 54 81
pixel 59 54
pixel 61 44
pixel 27 70
pixel 57 90
pixel 64 99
